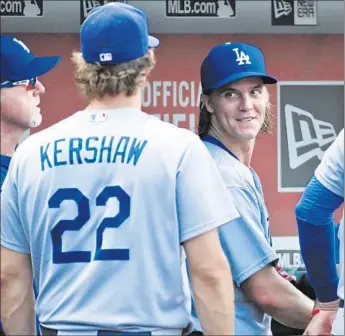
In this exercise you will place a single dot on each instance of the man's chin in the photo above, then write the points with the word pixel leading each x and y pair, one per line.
pixel 246 136
pixel 36 120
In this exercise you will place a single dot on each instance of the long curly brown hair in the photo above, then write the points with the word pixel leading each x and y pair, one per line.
pixel 94 81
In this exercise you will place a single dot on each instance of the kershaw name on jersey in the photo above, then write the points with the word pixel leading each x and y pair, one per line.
pixel 93 149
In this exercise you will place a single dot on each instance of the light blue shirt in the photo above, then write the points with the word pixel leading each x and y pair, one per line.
pixel 103 201
pixel 246 240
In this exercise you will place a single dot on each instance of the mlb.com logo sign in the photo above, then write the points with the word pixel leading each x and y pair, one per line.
pixel 32 8
pixel 201 8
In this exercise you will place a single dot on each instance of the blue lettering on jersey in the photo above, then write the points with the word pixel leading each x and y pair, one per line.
pixel 91 150
pixel 84 214
pixel 58 151
pixel 44 156
pixel 106 148
pixel 136 150
pixel 75 147
pixel 121 152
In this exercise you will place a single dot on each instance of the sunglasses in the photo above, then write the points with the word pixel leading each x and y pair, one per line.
pixel 29 83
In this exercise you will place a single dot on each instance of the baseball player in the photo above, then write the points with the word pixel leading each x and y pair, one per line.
pixel 100 203
pixel 314 211
pixel 20 93
pixel 234 109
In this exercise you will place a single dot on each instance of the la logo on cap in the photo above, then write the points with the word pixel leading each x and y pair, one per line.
pixel 22 44
pixel 242 57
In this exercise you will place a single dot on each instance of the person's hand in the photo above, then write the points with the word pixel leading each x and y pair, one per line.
pixel 321 324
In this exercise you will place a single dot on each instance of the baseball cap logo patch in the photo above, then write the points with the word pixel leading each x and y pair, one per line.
pixel 242 57
pixel 105 57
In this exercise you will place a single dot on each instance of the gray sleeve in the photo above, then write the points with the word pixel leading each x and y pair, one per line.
pixel 202 200
pixel 244 241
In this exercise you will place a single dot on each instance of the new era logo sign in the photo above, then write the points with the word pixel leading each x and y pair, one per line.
pixel 307 136
pixel 310 115
pixel 293 12
pixel 281 7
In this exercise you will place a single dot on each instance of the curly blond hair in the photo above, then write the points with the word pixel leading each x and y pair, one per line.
pixel 95 81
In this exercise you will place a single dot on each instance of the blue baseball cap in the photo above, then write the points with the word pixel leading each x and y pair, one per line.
pixel 115 33
pixel 229 62
pixel 18 63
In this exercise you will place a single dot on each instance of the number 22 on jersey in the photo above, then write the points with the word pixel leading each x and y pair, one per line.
pixel 83 206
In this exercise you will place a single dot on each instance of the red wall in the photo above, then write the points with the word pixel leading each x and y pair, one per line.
pixel 289 58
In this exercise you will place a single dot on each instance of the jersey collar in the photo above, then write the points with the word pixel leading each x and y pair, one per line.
pixel 214 141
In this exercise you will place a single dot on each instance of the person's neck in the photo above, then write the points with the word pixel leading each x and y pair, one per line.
pixel 119 101
pixel 243 150
pixel 10 136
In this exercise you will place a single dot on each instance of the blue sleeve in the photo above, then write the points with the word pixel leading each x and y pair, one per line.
pixel 314 213
pixel 244 240
pixel 13 236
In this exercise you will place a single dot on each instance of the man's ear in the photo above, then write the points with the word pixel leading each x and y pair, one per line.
pixel 206 102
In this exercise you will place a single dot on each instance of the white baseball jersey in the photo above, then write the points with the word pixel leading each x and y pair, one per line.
pixel 330 174
pixel 102 201
pixel 246 241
